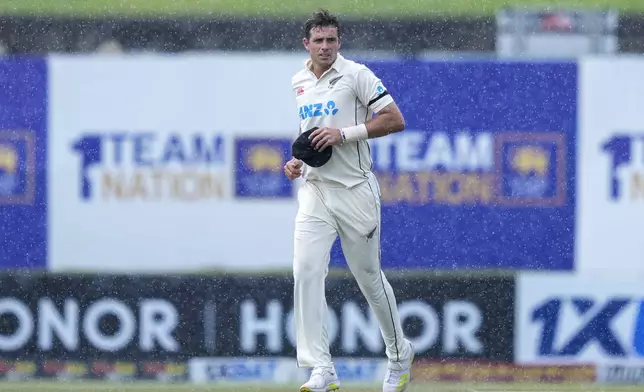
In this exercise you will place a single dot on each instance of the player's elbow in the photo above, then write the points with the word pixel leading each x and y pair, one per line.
pixel 392 119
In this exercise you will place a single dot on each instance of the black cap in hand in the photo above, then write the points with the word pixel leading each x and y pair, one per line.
pixel 304 151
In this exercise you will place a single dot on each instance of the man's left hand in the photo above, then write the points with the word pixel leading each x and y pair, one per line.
pixel 325 137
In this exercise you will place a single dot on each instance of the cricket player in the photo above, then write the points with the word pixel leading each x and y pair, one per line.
pixel 342 197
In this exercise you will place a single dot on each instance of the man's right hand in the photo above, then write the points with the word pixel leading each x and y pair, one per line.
pixel 293 169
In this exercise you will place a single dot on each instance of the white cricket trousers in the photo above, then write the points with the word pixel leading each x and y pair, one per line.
pixel 324 213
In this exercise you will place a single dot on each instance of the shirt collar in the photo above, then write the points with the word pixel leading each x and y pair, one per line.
pixel 337 65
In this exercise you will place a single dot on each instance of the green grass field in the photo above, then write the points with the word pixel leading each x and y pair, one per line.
pixel 148 387
pixel 276 8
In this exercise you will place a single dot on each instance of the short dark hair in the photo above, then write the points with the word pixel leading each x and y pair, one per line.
pixel 321 18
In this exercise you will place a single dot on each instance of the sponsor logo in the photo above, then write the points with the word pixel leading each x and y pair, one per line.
pixel 632 375
pixel 570 326
pixel 521 169
pixel 360 370
pixel 151 166
pixel 318 110
pixel 456 326
pixel 259 170
pixel 149 326
pixel 242 369
pixel 17 167
pixel 626 154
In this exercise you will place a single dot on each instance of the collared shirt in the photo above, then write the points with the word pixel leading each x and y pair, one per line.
pixel 347 94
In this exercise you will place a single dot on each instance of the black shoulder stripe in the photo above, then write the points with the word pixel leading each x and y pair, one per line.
pixel 384 94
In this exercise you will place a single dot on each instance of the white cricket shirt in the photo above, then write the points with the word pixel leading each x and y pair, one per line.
pixel 347 94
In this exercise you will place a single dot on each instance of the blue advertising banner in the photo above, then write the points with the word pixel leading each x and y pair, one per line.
pixel 23 140
pixel 483 176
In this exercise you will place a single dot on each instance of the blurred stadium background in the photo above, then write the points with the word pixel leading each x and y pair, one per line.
pixel 146 227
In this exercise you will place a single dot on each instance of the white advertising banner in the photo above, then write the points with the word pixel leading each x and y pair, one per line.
pixel 280 370
pixel 620 375
pixel 572 319
pixel 161 163
pixel 610 167
pixel 266 370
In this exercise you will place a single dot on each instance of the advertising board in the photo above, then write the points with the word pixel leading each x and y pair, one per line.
pixel 166 164
pixel 154 318
pixel 611 167
pixel 579 319
pixel 23 163
pixel 170 164
pixel 483 176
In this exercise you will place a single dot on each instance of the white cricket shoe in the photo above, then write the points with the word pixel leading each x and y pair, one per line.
pixel 323 379
pixel 398 374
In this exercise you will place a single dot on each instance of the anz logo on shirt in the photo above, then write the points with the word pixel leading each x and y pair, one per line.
pixel 318 110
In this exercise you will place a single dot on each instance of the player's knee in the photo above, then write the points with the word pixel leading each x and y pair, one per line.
pixel 370 271
pixel 371 274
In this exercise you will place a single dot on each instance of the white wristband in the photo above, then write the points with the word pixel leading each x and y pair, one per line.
pixel 354 133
